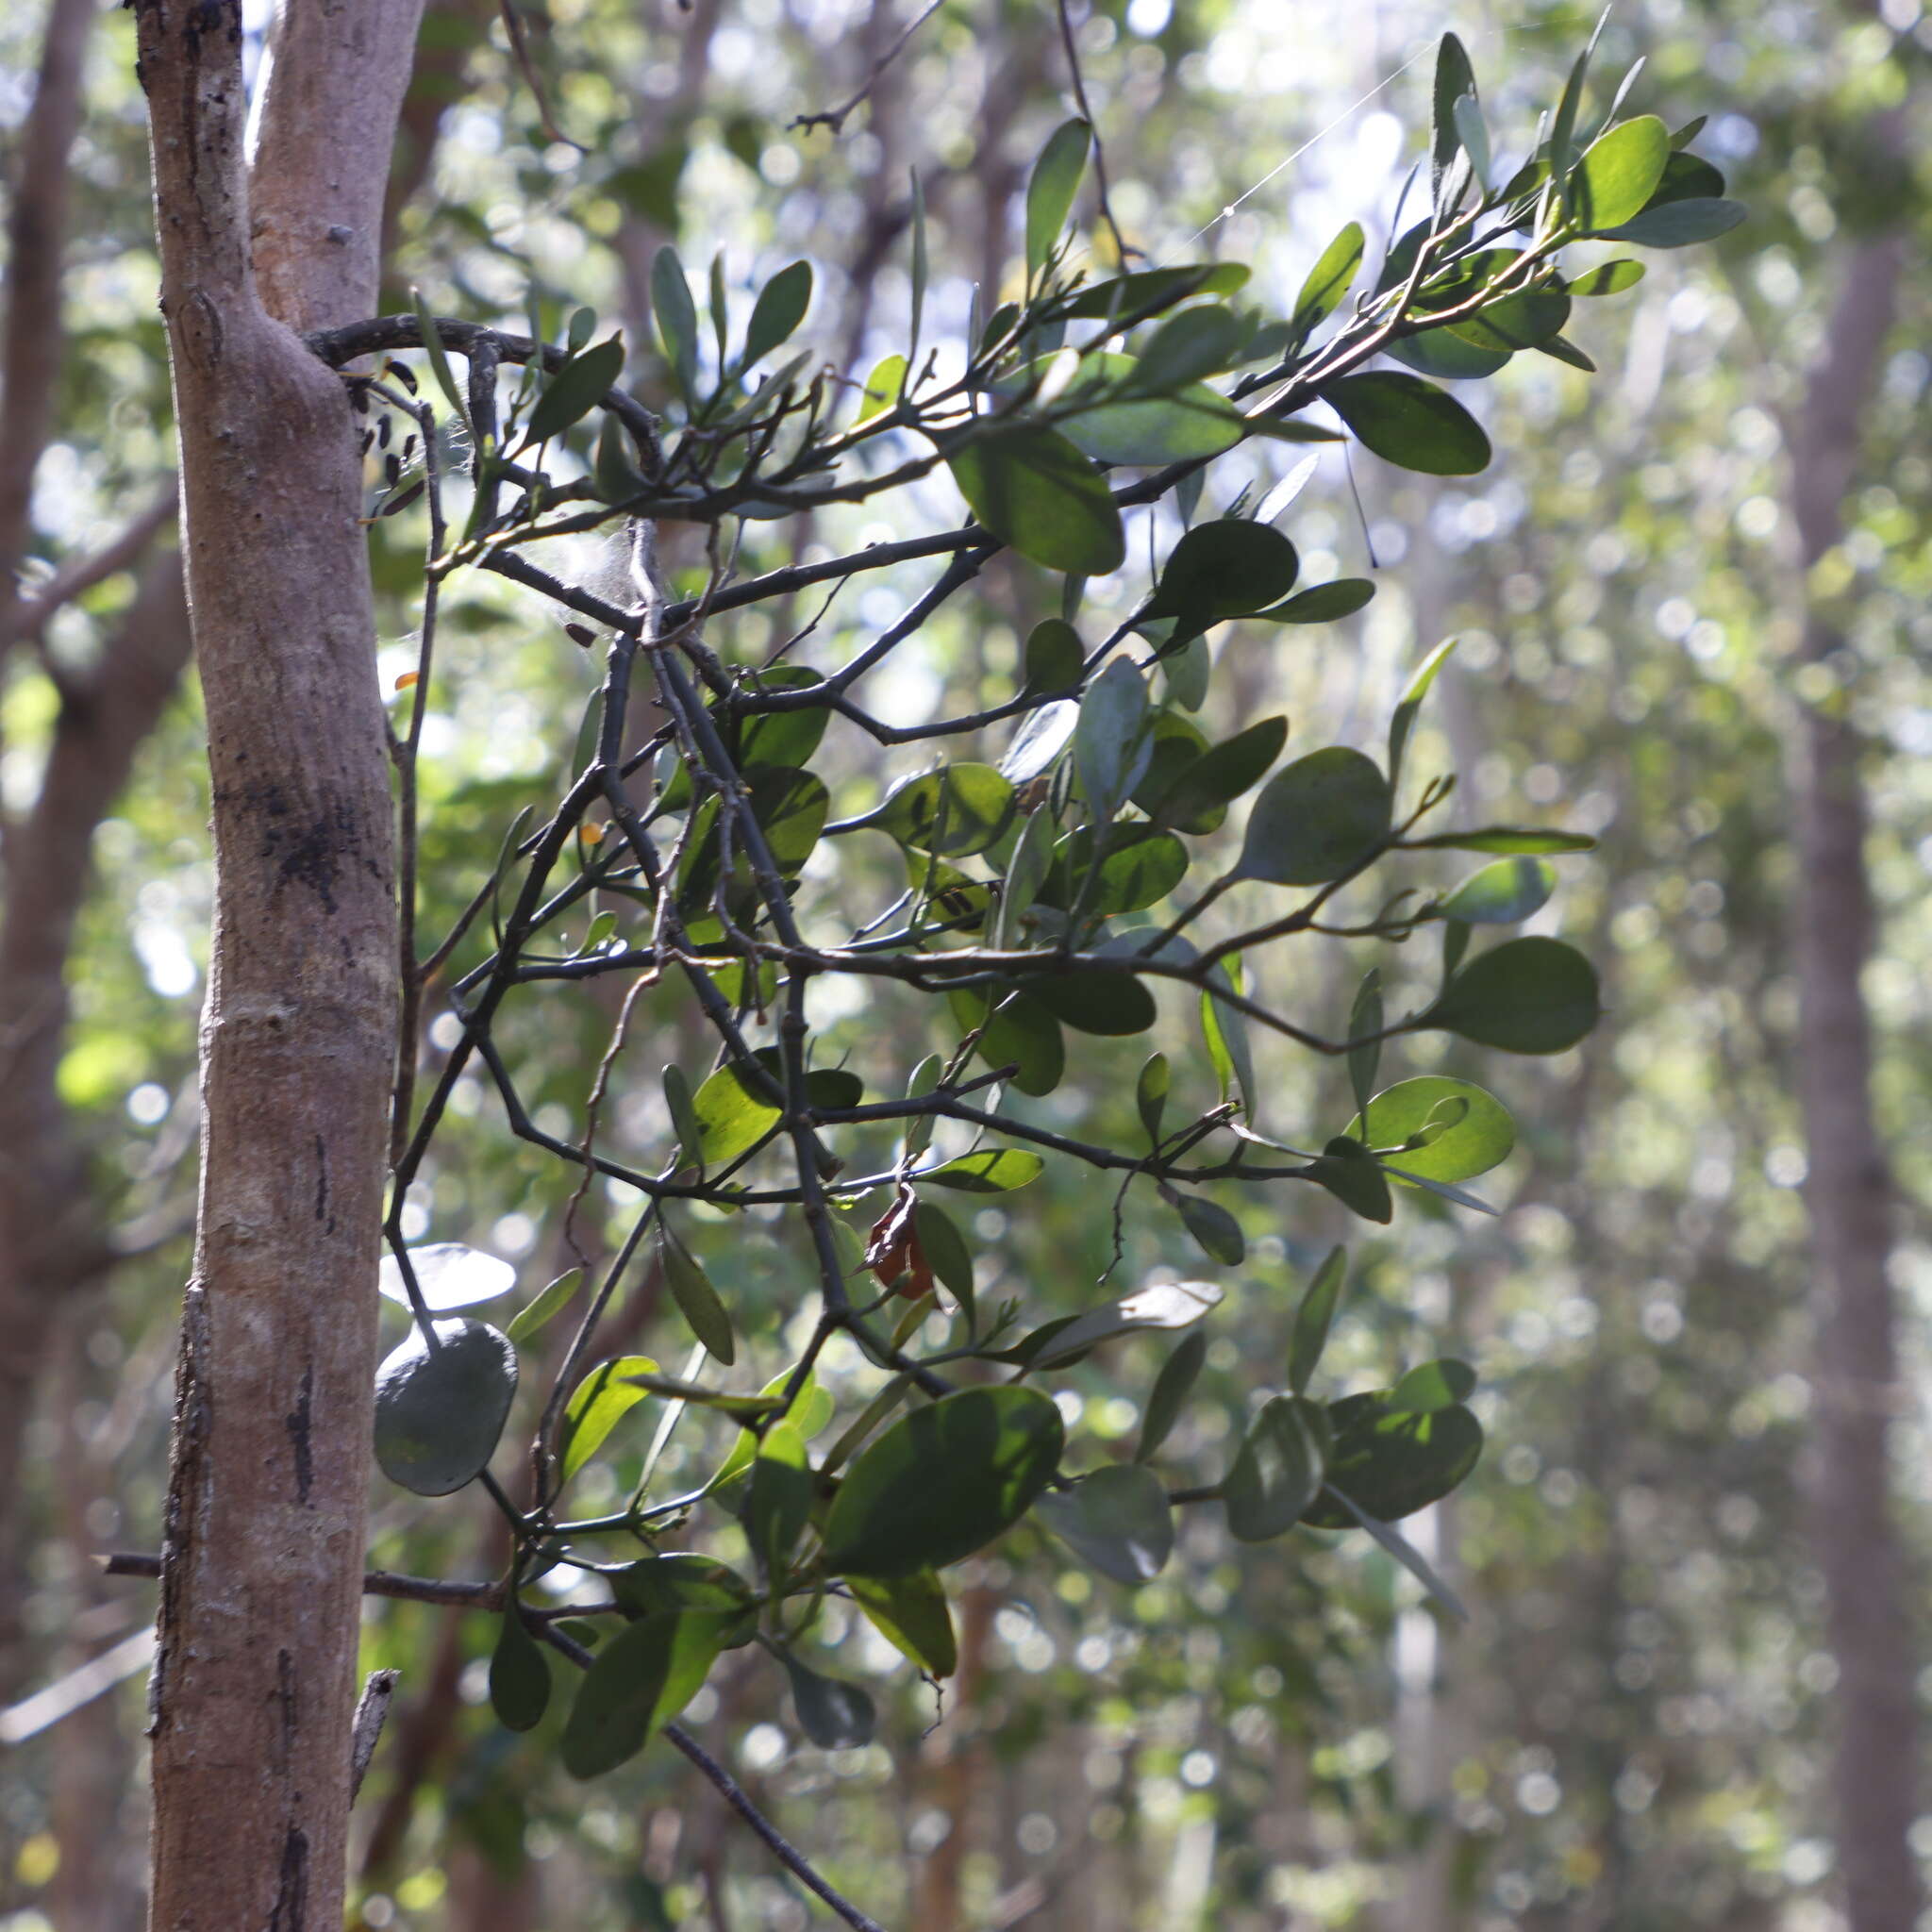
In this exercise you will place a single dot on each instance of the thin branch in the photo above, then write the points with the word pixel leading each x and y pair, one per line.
pixel 835 118
pixel 1113 227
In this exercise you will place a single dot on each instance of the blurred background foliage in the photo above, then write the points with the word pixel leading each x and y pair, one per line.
pixel 1631 1732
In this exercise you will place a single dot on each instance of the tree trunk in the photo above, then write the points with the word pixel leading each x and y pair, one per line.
pixel 263 1539
pixel 1848 1192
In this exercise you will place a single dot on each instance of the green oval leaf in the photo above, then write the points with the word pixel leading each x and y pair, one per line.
pixel 1505 894
pixel 1277 1470
pixel 955 811
pixel 733 1116
pixel 637 1684
pixel 1507 839
pixel 532 1317
pixel 835 1715
pixel 1392 1462
pixel 1318 819
pixel 1433 1386
pixel 439 1413
pixel 1328 280
pixel 1223 568
pixel 1160 1305
pixel 992 1171
pixel 1608 278
pixel 778 311
pixel 1117 1521
pixel 1050 191
pixel 518 1676
pixel 779 1502
pixel 1619 173
pixel 1410 421
pixel 1018 1033
pixel 1033 491
pixel 576 390
pixel 1216 1232
pixel 1108 736
pixel 1313 1318
pixel 1679 223
pixel 1351 1174
pixel 1528 995
pixel 1464 1142
pixel 943 1482
pixel 1220 775
pixel 597 1404
pixel 910 1613
pixel 677 317
pixel 697 1300
pixel 1165 1400
pixel 1322 603
pixel 882 388
pixel 1114 1004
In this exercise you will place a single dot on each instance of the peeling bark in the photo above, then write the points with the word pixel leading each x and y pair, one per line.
pixel 254 1685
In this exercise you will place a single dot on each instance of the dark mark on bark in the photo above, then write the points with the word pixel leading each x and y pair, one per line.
pixel 290 1913
pixel 322 1212
pixel 296 1422
pixel 192 1416
pixel 288 1704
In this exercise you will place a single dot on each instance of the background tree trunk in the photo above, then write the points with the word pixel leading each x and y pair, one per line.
pixel 1848 1192
pixel 254 1679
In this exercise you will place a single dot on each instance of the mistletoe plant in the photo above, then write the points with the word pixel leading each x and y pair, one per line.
pixel 1076 885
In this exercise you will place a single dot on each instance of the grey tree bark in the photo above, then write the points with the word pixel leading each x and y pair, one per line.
pixel 263 1553
pixel 1848 1192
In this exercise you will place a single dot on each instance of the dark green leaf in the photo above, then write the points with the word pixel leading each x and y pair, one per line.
pixel 1561 349
pixel 597 1404
pixel 638 1683
pixel 1220 775
pixel 1053 656
pixel 992 1171
pixel 684 1581
pixel 733 1116
pixel 1328 280
pixel 1608 278
pixel 1150 1096
pixel 1277 1470
pixel 1018 1033
pixel 1117 1521
pixel 1185 347
pixel 1322 603
pixel 1679 223
pixel 1455 78
pixel 1403 722
pixel 1505 894
pixel 943 1482
pixel 1365 1052
pixel 439 1413
pixel 697 1300
pixel 945 1250
pixel 1033 489
pixel 1172 1387
pixel 1349 1172
pixel 1216 1232
pixel 576 390
pixel 779 309
pixel 910 1613
pixel 518 1676
pixel 1317 820
pixel 1528 995
pixel 1313 1316
pixel 1050 191
pixel 835 1715
pixel 1392 1462
pixel 1095 1002
pixel 1405 1553
pixel 1433 1386
pixel 779 1502
pixel 1449 354
pixel 955 811
pixel 684 1115
pixel 1451 1144
pixel 677 319
pixel 1141 866
pixel 439 360
pixel 1410 421
pixel 1225 1029
pixel 1108 739
pixel 1226 568
pixel 1147 290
